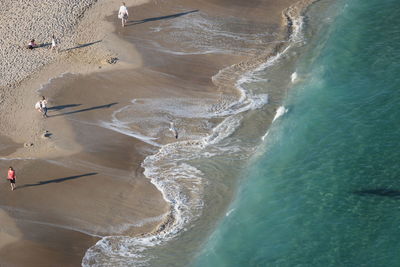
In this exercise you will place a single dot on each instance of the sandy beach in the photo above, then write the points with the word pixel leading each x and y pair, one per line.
pixel 83 173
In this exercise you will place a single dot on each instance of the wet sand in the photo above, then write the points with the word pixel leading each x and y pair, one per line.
pixel 85 181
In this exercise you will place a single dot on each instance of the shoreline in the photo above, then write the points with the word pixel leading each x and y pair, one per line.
pixel 38 78
pixel 171 227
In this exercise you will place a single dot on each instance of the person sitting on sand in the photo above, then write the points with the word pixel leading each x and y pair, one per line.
pixel 32 44
pixel 11 177
pixel 123 14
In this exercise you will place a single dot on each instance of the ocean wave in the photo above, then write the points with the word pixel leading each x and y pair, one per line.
pixel 279 112
pixel 293 77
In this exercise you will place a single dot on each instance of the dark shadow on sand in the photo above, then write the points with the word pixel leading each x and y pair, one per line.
pixel 81 46
pixel 85 109
pixel 43 45
pixel 38 46
pixel 59 180
pixel 56 108
pixel 383 192
pixel 135 22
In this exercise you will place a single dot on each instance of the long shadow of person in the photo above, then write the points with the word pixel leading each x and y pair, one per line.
pixel 80 46
pixel 85 109
pixel 135 22
pixel 58 180
pixel 56 108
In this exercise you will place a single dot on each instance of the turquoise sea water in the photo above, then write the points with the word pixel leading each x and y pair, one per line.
pixel 325 188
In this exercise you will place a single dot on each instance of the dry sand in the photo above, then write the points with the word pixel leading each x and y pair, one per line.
pixel 84 181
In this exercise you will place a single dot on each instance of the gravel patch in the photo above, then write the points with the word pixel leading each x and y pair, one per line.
pixel 21 21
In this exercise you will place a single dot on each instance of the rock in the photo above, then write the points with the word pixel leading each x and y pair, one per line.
pixel 112 60
pixel 28 144
pixel 46 134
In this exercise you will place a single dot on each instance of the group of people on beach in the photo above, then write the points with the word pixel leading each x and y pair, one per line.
pixel 123 14
pixel 41 105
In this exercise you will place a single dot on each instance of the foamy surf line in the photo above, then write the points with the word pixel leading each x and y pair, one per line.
pixel 180 183
pixel 10 159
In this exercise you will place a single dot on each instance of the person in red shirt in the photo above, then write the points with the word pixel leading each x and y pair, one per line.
pixel 11 177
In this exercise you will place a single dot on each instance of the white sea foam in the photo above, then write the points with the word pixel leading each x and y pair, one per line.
pixel 280 112
pixel 121 128
pixel 10 159
pixel 180 183
pixel 204 51
pixel 171 172
pixel 265 135
pixel 229 212
pixel 212 35
pixel 293 77
pixel 297 34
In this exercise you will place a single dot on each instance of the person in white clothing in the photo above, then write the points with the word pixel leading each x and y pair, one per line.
pixel 123 14
pixel 41 106
pixel 53 43
pixel 38 106
pixel 44 106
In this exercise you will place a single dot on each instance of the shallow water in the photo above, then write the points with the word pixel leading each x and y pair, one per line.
pixel 323 190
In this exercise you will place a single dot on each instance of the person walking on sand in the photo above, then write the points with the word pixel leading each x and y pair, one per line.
pixel 123 14
pixel 41 106
pixel 11 177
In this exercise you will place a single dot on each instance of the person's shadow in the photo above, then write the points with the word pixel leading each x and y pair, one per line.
pixel 56 108
pixel 135 22
pixel 58 180
pixel 80 46
pixel 81 110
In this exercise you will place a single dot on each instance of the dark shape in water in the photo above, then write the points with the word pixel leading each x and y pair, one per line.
pixel 384 192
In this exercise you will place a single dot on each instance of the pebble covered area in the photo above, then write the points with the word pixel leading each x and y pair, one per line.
pixel 21 21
